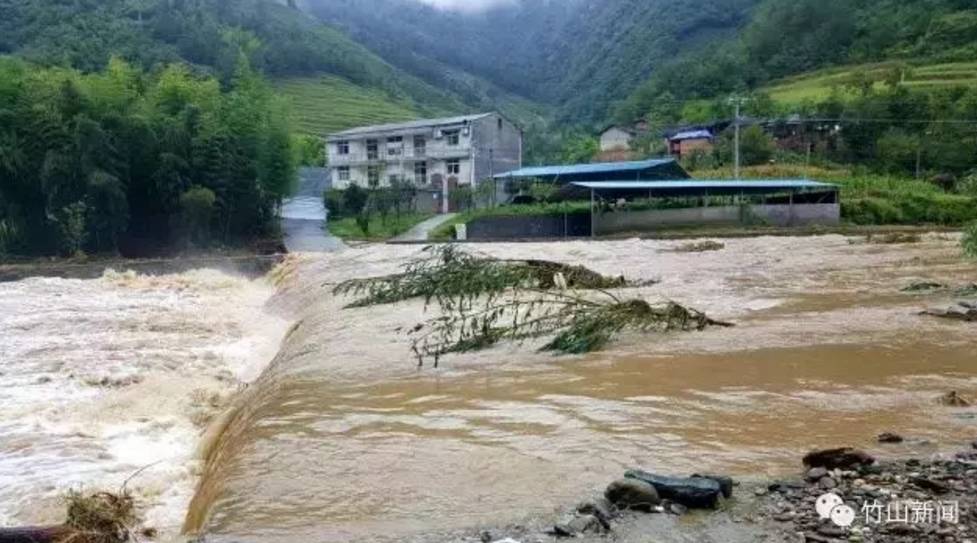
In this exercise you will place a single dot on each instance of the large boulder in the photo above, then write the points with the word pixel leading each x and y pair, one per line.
pixel 630 493
pixel 842 458
pixel 692 492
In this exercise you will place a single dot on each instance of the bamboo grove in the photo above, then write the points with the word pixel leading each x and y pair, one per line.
pixel 125 160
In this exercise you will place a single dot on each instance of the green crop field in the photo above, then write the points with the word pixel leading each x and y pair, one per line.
pixel 819 85
pixel 326 104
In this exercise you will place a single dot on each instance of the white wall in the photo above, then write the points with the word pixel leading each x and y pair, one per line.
pixel 615 139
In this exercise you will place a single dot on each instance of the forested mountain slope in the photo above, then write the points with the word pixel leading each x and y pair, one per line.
pixel 281 42
pixel 578 56
pixel 791 37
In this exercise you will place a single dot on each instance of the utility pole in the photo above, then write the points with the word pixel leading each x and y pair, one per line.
pixel 738 102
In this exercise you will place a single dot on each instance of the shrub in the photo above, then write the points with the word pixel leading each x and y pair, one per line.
pixel 871 211
pixel 354 200
pixel 333 201
pixel 970 241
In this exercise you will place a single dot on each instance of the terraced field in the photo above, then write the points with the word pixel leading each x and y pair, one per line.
pixel 819 85
pixel 326 104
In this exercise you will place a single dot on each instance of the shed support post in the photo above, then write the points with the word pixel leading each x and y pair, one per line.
pixel 592 218
pixel 790 215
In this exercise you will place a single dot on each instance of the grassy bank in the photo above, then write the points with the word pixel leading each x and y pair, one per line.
pixel 326 104
pixel 871 199
pixel 819 85
pixel 380 228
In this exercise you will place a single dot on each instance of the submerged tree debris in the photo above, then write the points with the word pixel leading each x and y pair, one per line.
pixel 101 517
pixel 578 324
pixel 699 247
pixel 97 517
pixel 894 238
pixel 485 300
pixel 448 275
pixel 918 287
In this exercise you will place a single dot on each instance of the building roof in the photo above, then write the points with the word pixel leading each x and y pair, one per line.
pixel 625 129
pixel 701 187
pixel 420 123
pixel 692 135
pixel 579 169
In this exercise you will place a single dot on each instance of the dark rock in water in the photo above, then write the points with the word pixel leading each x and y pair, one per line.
pixel 632 493
pixel 962 311
pixel 930 484
pixel 785 487
pixel 601 508
pixel 842 458
pixel 925 286
pixel 953 399
pixel 889 437
pixel 578 525
pixel 816 474
pixel 827 483
pixel 831 530
pixel 726 484
pixel 693 492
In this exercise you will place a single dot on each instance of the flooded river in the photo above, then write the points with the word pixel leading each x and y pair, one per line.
pixel 342 438
pixel 102 378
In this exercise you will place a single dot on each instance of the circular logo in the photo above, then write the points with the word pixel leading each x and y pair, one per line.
pixel 826 503
pixel 843 516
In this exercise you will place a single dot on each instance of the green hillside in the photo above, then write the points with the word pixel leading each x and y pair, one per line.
pixel 819 85
pixel 209 35
pixel 326 104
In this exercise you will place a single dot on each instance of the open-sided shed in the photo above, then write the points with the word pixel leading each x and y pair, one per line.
pixel 785 202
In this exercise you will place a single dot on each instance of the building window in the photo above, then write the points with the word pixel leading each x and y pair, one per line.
pixel 372 150
pixel 395 146
pixel 393 179
pixel 454 167
pixel 420 146
pixel 342 147
pixel 420 173
pixel 342 173
pixel 373 176
pixel 453 137
pixel 500 124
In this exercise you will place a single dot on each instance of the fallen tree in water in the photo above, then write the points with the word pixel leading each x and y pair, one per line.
pixel 100 517
pixel 576 323
pixel 486 300
pixel 448 275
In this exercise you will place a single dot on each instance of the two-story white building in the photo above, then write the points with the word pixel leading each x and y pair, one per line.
pixel 433 153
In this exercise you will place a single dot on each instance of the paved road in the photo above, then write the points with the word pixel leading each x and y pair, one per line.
pixel 304 216
pixel 421 231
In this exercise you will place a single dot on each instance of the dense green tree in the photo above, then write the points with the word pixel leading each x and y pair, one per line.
pixel 105 161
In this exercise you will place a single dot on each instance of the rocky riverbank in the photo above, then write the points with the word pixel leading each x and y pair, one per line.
pixel 839 495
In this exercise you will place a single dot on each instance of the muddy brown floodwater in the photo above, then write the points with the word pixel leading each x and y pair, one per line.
pixel 344 439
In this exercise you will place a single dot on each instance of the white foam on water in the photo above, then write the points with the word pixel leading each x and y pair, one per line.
pixel 102 378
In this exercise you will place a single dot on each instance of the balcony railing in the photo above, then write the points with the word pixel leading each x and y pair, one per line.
pixel 407 154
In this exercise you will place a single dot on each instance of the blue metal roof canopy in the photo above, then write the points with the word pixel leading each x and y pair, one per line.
pixel 707 187
pixel 605 170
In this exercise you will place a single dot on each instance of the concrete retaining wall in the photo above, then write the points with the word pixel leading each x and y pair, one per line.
pixel 772 215
pixel 529 226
